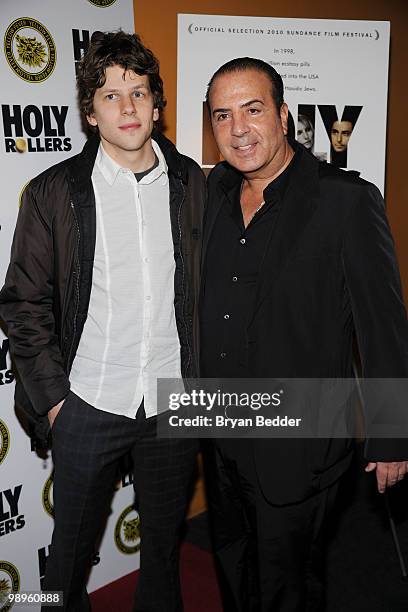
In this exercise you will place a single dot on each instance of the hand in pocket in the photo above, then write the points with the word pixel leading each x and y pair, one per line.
pixel 52 415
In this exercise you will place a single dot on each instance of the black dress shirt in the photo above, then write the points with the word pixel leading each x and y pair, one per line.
pixel 230 274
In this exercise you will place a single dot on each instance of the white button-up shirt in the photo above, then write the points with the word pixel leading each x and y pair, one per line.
pixel 130 337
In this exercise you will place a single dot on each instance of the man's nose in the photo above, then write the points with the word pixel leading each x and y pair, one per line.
pixel 239 125
pixel 127 105
pixel 339 137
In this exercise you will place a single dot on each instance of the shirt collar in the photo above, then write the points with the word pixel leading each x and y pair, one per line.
pixel 110 169
pixel 280 183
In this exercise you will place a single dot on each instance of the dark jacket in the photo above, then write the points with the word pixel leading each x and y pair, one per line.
pixel 329 270
pixel 45 299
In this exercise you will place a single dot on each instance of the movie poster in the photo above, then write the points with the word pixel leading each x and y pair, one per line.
pixel 335 75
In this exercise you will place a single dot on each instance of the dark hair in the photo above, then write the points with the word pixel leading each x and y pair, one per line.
pixel 111 49
pixel 240 64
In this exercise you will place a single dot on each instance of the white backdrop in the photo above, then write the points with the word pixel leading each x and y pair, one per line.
pixel 40 125
pixel 323 63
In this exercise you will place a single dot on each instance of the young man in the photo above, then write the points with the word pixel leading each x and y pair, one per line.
pixel 296 255
pixel 100 301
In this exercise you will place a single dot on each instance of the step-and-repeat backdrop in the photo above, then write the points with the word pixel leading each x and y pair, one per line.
pixel 43 40
pixel 335 74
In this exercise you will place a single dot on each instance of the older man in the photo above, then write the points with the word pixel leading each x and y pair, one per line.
pixel 297 256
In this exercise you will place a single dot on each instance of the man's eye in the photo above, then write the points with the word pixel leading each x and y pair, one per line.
pixel 253 111
pixel 138 94
pixel 222 116
pixel 111 96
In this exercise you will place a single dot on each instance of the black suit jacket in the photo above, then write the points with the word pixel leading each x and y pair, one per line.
pixel 329 271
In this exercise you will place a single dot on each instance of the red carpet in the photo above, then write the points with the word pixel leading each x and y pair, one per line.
pixel 199 585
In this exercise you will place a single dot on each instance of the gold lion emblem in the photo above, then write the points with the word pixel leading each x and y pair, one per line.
pixel 31 52
pixel 131 530
pixel 5 589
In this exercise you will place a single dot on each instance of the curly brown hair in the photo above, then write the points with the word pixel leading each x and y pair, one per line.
pixel 116 49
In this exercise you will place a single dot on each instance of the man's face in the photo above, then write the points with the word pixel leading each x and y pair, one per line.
pixel 249 131
pixel 340 135
pixel 123 110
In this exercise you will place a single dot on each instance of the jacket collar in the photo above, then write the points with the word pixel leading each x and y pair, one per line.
pixel 174 159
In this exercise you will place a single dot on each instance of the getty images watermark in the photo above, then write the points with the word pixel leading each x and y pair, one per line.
pixel 213 401
pixel 292 408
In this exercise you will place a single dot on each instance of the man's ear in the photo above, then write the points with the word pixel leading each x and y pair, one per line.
pixel 156 114
pixel 91 120
pixel 284 111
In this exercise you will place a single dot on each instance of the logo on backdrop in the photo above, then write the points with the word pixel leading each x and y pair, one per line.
pixel 47 496
pixel 30 50
pixel 102 3
pixel 10 518
pixel 9 583
pixel 43 554
pixel 4 441
pixel 80 43
pixel 127 532
pixel 6 374
pixel 35 129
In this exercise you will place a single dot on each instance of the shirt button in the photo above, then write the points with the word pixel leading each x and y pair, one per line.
pixel 226 316
pixel 148 298
pixel 242 241
pixel 223 355
pixel 234 279
pixel 146 260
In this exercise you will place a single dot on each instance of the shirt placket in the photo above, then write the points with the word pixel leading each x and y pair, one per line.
pixel 146 297
pixel 147 294
pixel 234 278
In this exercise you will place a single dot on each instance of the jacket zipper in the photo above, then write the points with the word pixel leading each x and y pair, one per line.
pixel 183 279
pixel 77 266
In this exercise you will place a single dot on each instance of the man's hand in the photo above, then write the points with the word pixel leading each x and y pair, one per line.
pixel 388 473
pixel 52 415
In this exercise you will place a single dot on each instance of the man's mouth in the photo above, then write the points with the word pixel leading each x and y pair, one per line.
pixel 129 126
pixel 248 148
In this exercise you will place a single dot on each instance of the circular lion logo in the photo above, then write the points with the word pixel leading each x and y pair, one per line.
pixel 102 3
pixel 30 50
pixel 47 496
pixel 9 583
pixel 4 441
pixel 127 532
